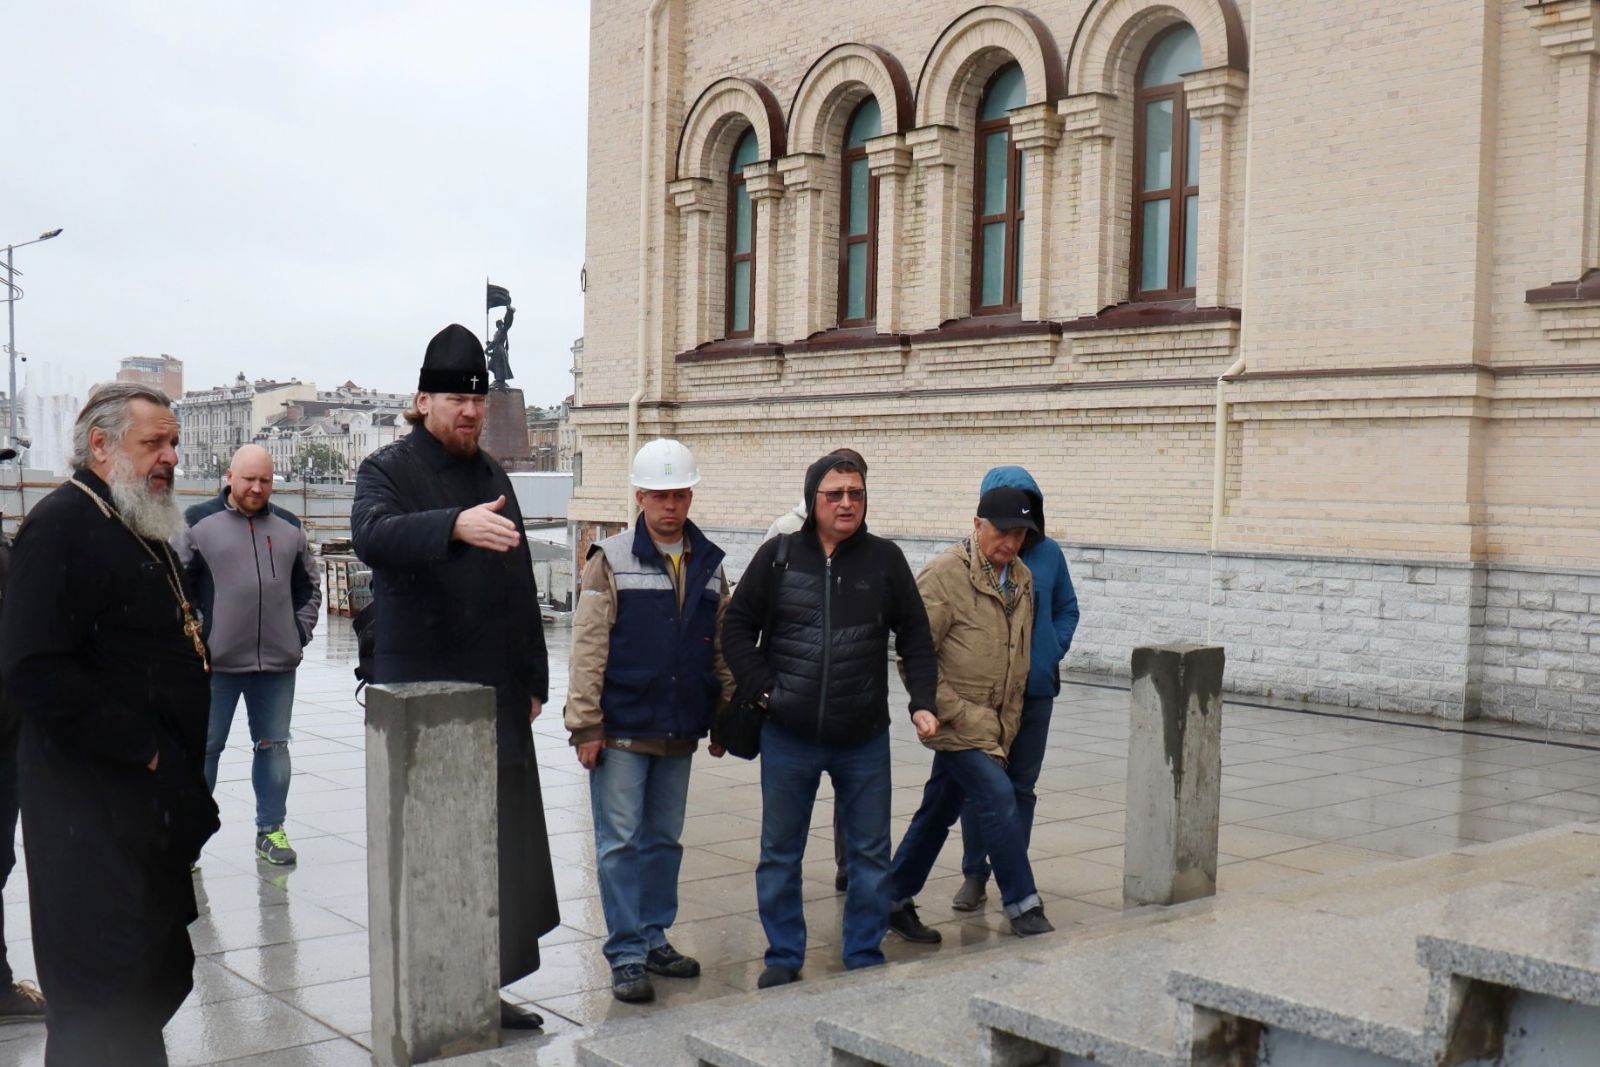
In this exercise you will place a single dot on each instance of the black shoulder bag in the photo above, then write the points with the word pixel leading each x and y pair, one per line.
pixel 738 724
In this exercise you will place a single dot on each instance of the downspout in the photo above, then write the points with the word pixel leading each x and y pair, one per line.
pixel 641 369
pixel 1219 470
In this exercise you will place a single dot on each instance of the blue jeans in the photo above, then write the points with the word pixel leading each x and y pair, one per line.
pixel 975 779
pixel 791 769
pixel 268 700
pixel 1026 760
pixel 638 804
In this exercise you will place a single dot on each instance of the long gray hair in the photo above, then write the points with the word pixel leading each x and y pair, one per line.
pixel 110 408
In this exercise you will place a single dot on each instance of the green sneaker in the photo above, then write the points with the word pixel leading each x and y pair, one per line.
pixel 273 846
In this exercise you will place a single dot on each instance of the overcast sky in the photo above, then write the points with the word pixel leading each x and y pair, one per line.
pixel 293 189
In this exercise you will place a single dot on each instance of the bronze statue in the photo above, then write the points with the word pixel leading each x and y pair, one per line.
pixel 499 351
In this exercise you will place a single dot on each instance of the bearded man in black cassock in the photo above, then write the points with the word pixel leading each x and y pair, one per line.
pixel 437 520
pixel 100 653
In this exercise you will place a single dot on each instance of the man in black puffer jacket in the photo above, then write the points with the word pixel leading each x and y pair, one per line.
pixel 823 602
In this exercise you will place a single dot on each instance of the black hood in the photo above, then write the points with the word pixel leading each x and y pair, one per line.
pixel 814 476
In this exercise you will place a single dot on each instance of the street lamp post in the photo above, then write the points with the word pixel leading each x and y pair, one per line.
pixel 13 294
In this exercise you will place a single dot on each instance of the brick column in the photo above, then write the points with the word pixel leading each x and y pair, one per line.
pixel 1215 97
pixel 765 185
pixel 946 289
pixel 1087 118
pixel 1568 31
pixel 889 160
pixel 812 285
pixel 1036 130
pixel 693 199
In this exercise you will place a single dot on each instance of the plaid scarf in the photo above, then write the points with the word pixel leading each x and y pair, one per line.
pixel 1007 589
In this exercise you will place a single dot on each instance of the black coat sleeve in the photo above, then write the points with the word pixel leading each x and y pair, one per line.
pixel 529 659
pixel 54 598
pixel 385 533
pixel 913 640
pixel 742 625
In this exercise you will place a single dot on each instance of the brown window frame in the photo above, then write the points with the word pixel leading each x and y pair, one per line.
pixel 846 239
pixel 1011 215
pixel 1176 190
pixel 735 180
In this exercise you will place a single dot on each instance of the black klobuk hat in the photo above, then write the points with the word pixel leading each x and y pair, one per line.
pixel 454 363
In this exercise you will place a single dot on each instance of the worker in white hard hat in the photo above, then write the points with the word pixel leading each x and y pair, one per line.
pixel 646 677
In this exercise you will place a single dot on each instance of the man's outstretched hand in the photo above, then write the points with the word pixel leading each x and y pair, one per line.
pixel 484 527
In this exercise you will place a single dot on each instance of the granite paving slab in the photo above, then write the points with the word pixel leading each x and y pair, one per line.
pixel 1547 943
pixel 927 1023
pixel 781 1031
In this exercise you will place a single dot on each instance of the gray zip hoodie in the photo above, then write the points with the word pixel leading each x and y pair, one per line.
pixel 255 582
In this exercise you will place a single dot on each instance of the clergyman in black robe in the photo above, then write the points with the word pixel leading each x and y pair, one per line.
pixel 436 518
pixel 113 697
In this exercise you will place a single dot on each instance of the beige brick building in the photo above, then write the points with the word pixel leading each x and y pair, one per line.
pixel 1293 309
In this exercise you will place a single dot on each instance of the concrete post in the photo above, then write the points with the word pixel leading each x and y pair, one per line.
pixel 432 871
pixel 1174 775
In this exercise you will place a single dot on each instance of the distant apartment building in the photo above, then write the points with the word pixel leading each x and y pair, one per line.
pixel 549 437
pixel 350 422
pixel 213 423
pixel 164 372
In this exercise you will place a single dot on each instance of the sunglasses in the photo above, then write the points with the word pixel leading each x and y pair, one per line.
pixel 833 496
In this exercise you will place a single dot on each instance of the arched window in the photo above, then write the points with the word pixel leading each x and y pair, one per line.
pixel 1166 170
pixel 858 220
pixel 997 234
pixel 741 241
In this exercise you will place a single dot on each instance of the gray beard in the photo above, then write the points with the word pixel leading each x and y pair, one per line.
pixel 151 513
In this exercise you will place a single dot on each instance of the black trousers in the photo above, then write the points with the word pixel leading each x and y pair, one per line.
pixel 126 1032
pixel 8 839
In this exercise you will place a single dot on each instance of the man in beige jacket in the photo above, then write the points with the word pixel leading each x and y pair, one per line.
pixel 979 597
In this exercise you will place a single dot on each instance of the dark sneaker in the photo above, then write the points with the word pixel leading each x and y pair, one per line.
pixel 273 846
pixel 515 1018
pixel 21 1002
pixel 776 976
pixel 841 880
pixel 668 961
pixel 903 921
pixel 971 895
pixel 630 983
pixel 1031 923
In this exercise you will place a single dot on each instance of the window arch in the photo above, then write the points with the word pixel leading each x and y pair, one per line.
pixel 741 241
pixel 858 219
pixel 998 197
pixel 1166 171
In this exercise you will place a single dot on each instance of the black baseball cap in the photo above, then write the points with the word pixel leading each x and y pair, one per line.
pixel 1008 509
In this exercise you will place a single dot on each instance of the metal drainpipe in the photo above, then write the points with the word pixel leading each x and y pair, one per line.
pixel 641 368
pixel 1219 472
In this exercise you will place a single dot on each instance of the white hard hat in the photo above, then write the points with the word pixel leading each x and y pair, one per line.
pixel 664 464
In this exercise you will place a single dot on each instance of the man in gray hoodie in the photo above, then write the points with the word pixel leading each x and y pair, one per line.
pixel 251 569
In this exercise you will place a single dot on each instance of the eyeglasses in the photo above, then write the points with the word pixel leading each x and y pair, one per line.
pixel 833 496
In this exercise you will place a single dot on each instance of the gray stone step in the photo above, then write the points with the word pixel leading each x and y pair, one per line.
pixel 1333 957
pixel 928 1025
pixel 780 1030
pixel 1545 945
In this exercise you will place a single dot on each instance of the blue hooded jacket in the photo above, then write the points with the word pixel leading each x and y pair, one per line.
pixel 1055 608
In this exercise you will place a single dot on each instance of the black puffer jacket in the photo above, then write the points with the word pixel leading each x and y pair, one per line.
pixel 825 663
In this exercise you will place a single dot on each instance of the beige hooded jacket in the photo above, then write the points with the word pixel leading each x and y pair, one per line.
pixel 983 655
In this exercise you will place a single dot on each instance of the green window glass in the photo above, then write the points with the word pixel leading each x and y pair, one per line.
pixel 739 318
pixel 996 168
pixel 998 207
pixel 865 124
pixel 855 297
pixel 860 198
pixel 1174 54
pixel 858 222
pixel 1167 143
pixel 741 239
pixel 1155 246
pixel 1158 146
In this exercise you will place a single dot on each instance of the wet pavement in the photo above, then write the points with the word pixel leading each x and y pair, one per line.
pixel 281 979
